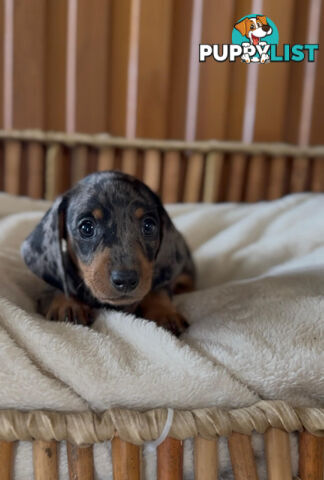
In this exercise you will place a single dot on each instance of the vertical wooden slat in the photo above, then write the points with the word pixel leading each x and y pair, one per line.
pixel 179 70
pixel 273 83
pixel 93 25
pixel 45 460
pixel 126 459
pixel 8 45
pixel 318 175
pixel 278 454
pixel 153 74
pixel 6 460
pixel 71 59
pixel 129 161
pixel 236 179
pixel 170 460
pixel 237 80
pixel 194 176
pixel 2 167
pixel 56 37
pixel 213 175
pixel 214 76
pixel 316 135
pixel 57 171
pixel 152 169
pixel 79 163
pixel 80 460
pixel 242 457
pixel 132 70
pixel 118 66
pixel 256 179
pixel 35 176
pixel 12 164
pixel 106 159
pixel 2 93
pixel 307 98
pixel 194 70
pixel 277 180
pixel 171 174
pixel 29 64
pixel 311 457
pixel 206 459
pixel 296 74
pixel 300 175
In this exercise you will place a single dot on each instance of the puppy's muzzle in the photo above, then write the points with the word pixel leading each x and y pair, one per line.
pixel 124 280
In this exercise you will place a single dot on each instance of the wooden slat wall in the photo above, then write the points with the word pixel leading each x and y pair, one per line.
pixel 102 56
pixel 154 68
pixel 56 37
pixel 317 130
pixel 29 64
pixel 273 84
pixel 115 40
pixel 237 82
pixel 92 63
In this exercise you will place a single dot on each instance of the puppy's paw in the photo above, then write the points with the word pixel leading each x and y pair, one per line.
pixel 68 309
pixel 157 306
pixel 170 320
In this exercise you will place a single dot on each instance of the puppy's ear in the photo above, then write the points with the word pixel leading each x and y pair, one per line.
pixel 173 254
pixel 242 27
pixel 42 249
pixel 262 19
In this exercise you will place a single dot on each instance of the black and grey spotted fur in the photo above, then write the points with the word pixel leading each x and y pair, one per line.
pixel 116 194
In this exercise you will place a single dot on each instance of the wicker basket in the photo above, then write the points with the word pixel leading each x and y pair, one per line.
pixel 42 165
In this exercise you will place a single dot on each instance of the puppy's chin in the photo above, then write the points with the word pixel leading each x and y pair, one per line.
pixel 112 298
pixel 120 301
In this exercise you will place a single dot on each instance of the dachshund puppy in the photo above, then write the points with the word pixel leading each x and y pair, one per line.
pixel 108 242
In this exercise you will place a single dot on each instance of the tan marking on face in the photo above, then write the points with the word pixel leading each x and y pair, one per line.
pixel 96 276
pixel 139 212
pixel 146 275
pixel 97 213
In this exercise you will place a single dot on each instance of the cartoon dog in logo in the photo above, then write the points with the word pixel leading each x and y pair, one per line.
pixel 254 28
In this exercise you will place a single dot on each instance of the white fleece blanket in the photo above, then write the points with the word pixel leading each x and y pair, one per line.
pixel 256 322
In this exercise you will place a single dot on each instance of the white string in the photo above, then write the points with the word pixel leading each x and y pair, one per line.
pixel 151 446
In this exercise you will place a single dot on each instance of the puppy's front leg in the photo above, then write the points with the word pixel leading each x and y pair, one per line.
pixel 69 309
pixel 157 306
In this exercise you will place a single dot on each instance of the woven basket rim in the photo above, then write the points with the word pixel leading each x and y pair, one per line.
pixel 104 140
pixel 138 427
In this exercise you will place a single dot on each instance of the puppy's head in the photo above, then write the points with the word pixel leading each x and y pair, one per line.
pixel 254 28
pixel 105 233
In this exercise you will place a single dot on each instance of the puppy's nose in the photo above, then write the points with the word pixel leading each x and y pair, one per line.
pixel 124 280
pixel 266 28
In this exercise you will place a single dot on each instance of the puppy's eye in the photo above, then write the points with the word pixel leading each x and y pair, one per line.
pixel 149 227
pixel 252 27
pixel 87 228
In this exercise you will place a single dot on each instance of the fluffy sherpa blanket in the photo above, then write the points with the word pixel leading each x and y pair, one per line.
pixel 256 323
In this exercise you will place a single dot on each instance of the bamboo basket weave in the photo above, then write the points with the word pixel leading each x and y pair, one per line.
pixel 42 165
